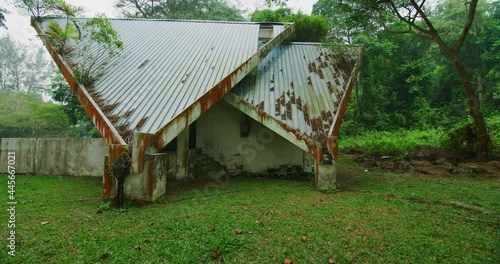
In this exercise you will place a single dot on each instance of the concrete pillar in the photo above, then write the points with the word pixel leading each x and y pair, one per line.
pixel 182 153
pixel 326 176
pixel 151 183
pixel 326 173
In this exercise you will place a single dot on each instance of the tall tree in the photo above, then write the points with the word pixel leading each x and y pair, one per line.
pixel 61 92
pixel 38 71
pixel 21 68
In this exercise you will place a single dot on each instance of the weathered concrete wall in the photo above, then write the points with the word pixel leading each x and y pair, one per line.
pixel 218 135
pixel 151 183
pixel 25 149
pixel 55 156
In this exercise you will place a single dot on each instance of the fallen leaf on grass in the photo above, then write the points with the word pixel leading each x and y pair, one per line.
pixel 331 261
pixel 304 238
pixel 269 229
pixel 137 247
pixel 44 223
pixel 104 256
pixel 245 208
pixel 216 253
pixel 238 231
pixel 250 232
pixel 287 261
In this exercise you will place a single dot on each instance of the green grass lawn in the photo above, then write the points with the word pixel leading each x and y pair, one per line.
pixel 373 218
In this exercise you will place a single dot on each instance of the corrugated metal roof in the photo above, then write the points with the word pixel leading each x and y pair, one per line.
pixel 166 65
pixel 300 85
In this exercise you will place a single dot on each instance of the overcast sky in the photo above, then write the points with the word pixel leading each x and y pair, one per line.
pixel 19 26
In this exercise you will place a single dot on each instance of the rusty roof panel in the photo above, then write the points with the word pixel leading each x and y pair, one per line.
pixel 300 85
pixel 166 65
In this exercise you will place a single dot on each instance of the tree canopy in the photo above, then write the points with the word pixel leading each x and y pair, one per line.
pixel 420 87
pixel 26 115
pixel 179 9
pixel 312 28
pixel 447 25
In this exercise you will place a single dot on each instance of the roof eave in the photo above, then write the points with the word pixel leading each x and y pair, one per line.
pixel 339 115
pixel 106 129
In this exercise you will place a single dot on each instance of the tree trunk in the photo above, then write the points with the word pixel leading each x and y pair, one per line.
pixel 483 141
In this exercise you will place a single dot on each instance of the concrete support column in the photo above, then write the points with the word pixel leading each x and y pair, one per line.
pixel 326 176
pixel 182 153
pixel 325 173
pixel 151 183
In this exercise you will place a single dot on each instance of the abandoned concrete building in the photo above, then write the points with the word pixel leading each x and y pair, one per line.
pixel 234 93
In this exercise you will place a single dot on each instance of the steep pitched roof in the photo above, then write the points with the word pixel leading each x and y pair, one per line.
pixel 166 66
pixel 301 86
pixel 171 71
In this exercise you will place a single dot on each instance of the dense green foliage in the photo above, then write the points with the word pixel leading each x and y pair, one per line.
pixel 374 218
pixel 406 82
pixel 307 28
pixel 61 92
pixel 395 143
pixel 185 9
pixel 26 115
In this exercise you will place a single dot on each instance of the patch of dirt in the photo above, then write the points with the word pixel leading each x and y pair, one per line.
pixel 430 161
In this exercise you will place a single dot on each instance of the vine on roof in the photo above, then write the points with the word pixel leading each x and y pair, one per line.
pixel 86 45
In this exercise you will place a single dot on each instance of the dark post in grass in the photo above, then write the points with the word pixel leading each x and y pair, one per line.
pixel 121 169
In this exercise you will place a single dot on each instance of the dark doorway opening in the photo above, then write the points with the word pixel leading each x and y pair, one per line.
pixel 192 135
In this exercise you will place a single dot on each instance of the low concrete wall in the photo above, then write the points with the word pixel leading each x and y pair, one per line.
pixel 55 156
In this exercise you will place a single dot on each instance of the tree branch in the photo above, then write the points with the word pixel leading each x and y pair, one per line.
pixel 413 32
pixel 468 24
pixel 422 14
pixel 410 23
